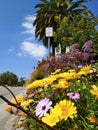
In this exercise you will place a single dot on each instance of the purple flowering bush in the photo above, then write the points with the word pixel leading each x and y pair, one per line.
pixel 76 57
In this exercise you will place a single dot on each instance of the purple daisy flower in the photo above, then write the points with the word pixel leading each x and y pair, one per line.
pixel 42 107
pixel 73 95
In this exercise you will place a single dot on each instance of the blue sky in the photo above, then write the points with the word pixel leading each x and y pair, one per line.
pixel 19 51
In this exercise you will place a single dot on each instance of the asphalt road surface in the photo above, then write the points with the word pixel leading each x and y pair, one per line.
pixel 5 117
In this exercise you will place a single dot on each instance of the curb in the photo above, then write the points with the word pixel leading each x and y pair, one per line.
pixel 14 119
pixel 10 123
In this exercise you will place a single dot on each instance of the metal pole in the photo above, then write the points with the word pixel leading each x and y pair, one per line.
pixel 48 46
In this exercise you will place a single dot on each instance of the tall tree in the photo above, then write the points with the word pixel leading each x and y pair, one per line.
pixel 49 10
pixel 79 31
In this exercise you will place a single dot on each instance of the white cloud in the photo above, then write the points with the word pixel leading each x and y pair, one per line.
pixel 29 48
pixel 33 50
pixel 30 18
pixel 29 28
pixel 28 25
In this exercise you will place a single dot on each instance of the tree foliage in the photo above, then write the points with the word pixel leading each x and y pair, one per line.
pixel 49 10
pixel 10 79
pixel 21 81
pixel 80 30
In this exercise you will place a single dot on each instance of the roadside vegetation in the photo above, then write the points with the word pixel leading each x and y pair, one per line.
pixel 62 92
pixel 64 95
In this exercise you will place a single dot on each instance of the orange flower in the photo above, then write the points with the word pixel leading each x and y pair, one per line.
pixel 93 119
pixel 19 99
pixel 9 109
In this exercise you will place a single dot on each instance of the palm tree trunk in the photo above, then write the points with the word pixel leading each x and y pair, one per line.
pixel 53 49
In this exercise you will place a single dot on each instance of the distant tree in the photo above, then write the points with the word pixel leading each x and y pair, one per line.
pixel 9 79
pixel 21 81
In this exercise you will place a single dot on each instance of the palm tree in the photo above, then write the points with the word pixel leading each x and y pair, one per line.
pixel 48 12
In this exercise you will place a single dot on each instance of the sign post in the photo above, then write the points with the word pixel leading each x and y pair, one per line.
pixel 49 33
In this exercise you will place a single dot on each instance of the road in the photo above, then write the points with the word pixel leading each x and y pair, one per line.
pixel 5 117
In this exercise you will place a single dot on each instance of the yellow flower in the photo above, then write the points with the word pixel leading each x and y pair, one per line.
pixel 9 109
pixel 68 109
pixel 34 84
pixel 94 90
pixel 61 110
pixel 41 83
pixel 71 74
pixel 49 80
pixel 86 70
pixel 52 118
pixel 62 84
pixel 93 119
pixel 19 99
pixel 71 70
pixel 57 71
pixel 26 103
pixel 67 75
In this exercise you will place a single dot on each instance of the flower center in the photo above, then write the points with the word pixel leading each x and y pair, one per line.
pixel 44 107
pixel 73 94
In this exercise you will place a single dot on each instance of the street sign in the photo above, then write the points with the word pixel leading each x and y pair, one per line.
pixel 49 31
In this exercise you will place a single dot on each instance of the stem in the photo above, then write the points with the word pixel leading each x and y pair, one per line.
pixel 90 104
pixel 11 93
pixel 26 112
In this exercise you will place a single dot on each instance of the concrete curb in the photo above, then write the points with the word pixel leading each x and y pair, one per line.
pixel 14 119
pixel 10 123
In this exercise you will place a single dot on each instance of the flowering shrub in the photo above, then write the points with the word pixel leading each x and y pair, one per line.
pixel 64 101
pixel 63 93
pixel 76 57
